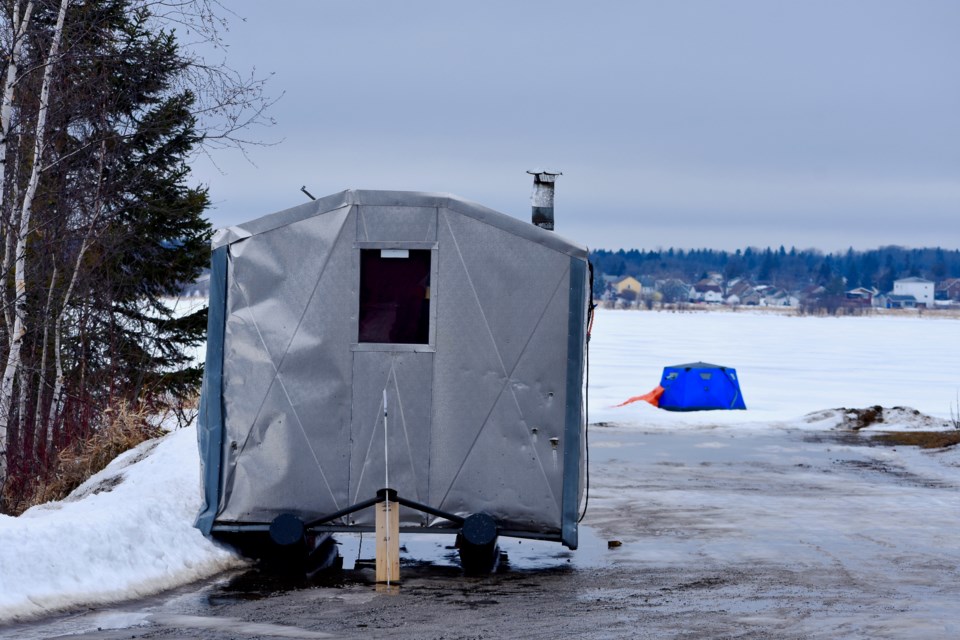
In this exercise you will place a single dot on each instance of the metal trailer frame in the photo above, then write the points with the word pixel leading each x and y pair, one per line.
pixel 490 411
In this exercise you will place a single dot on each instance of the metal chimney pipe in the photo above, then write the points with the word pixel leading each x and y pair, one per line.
pixel 542 198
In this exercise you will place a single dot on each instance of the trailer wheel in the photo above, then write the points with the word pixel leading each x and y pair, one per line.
pixel 477 543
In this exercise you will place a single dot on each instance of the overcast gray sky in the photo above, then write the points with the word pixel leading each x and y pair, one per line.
pixel 684 123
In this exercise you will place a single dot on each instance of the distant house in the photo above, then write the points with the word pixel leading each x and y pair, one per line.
pixel 919 288
pixel 674 290
pixel 628 283
pixel 742 292
pixel 861 296
pixel 648 284
pixel 948 289
pixel 776 297
pixel 895 301
pixel 708 291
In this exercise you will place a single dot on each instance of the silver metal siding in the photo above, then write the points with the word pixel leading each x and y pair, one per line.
pixel 288 369
pixel 397 224
pixel 497 377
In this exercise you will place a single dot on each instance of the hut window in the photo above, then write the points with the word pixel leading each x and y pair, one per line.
pixel 395 296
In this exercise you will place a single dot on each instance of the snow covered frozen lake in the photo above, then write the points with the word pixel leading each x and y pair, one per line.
pixel 788 365
pixel 769 521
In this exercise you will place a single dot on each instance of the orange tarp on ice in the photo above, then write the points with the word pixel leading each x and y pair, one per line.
pixel 653 398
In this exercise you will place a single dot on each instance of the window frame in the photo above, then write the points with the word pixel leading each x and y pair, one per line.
pixel 430 346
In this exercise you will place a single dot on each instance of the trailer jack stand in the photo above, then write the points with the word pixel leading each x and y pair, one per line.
pixel 388 537
pixel 476 540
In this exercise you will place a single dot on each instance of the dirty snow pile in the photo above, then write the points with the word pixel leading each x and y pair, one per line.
pixel 128 531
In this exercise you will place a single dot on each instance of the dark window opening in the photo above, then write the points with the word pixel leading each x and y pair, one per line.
pixel 395 296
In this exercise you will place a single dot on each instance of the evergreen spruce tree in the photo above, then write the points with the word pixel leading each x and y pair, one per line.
pixel 144 225
pixel 116 227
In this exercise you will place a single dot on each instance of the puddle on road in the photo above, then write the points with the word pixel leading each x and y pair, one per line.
pixel 422 557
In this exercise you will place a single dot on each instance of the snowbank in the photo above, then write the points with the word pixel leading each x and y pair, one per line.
pixel 126 532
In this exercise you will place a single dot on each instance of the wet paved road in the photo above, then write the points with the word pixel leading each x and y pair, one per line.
pixel 724 534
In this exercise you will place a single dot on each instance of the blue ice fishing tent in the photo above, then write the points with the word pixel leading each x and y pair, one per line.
pixel 699 386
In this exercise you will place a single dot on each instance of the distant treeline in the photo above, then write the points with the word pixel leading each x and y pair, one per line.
pixel 787 268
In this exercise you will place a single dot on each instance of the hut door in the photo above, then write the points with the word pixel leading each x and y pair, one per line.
pixel 407 377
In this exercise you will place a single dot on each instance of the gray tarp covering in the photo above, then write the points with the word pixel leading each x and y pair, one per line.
pixel 484 416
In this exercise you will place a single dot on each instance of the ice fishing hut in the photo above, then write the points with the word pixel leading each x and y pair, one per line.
pixel 469 324
pixel 700 386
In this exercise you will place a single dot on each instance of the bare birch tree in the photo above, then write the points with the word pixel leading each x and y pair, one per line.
pixel 19 23
pixel 18 28
pixel 20 250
